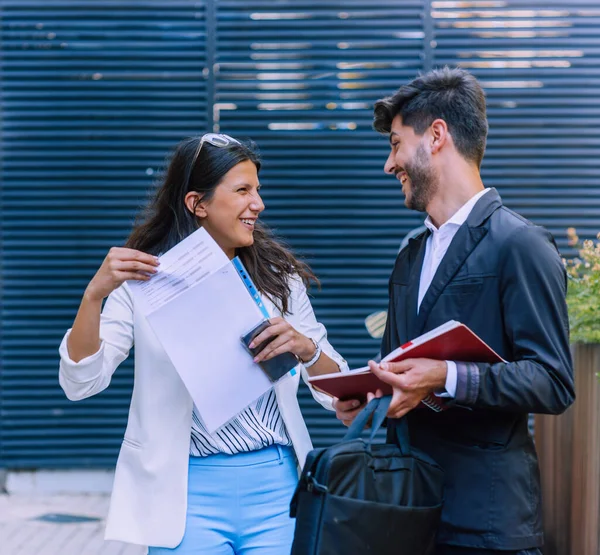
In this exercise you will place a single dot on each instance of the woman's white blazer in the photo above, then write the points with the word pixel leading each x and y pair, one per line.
pixel 149 497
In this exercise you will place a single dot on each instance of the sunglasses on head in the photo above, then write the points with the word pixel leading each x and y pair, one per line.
pixel 215 139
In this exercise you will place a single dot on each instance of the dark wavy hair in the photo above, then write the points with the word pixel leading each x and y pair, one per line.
pixel 166 220
pixel 451 94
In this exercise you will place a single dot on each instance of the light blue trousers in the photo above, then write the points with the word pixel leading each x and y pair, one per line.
pixel 239 504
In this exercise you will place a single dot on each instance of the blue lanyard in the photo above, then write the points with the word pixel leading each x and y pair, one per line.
pixel 247 281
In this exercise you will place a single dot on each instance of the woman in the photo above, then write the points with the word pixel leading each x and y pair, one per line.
pixel 178 488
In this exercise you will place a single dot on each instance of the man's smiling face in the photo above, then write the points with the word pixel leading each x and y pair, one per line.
pixel 410 162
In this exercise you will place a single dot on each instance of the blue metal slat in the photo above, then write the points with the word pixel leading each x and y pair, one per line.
pixel 94 94
pixel 539 64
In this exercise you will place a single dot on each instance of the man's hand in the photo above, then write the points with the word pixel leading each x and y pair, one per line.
pixel 346 411
pixel 412 380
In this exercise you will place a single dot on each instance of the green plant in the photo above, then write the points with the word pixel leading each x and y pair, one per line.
pixel 583 294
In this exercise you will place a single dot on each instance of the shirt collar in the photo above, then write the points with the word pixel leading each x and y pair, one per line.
pixel 460 216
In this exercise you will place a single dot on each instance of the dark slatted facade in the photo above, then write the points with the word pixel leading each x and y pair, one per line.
pixel 95 93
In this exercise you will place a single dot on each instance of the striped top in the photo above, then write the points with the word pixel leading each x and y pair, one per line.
pixel 259 425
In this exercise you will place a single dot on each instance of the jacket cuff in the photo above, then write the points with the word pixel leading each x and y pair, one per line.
pixel 87 369
pixel 331 352
pixel 467 383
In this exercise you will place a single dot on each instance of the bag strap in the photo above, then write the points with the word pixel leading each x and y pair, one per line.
pixel 380 415
pixel 361 421
pixel 402 437
pixel 378 407
pixel 309 466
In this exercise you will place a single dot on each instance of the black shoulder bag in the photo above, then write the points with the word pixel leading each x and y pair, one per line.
pixel 357 497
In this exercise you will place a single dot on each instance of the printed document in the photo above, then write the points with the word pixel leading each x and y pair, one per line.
pixel 186 264
pixel 199 311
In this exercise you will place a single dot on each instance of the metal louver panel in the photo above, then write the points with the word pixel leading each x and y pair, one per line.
pixel 94 94
pixel 540 65
pixel 300 79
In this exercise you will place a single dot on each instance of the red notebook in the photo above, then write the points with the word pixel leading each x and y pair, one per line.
pixel 450 341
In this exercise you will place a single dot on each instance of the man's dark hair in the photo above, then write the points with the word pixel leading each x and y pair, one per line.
pixel 451 94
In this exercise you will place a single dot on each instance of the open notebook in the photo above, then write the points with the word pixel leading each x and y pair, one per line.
pixel 450 341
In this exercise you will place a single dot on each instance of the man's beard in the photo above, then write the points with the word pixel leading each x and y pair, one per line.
pixel 423 182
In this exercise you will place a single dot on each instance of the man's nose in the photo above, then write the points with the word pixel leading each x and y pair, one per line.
pixel 389 166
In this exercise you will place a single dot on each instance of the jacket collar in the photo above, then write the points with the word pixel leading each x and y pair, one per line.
pixel 461 215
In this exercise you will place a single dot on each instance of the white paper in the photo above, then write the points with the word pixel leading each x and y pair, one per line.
pixel 187 263
pixel 200 329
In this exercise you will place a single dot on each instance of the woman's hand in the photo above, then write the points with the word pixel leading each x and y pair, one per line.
pixel 286 339
pixel 120 265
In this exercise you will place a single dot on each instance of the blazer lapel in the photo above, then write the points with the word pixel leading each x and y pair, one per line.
pixel 416 256
pixel 463 243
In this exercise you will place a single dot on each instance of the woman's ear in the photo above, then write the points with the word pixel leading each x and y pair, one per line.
pixel 193 202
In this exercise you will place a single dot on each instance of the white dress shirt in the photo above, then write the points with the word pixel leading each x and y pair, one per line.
pixel 435 250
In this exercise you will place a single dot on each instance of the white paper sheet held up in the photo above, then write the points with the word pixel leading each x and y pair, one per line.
pixel 187 263
pixel 200 330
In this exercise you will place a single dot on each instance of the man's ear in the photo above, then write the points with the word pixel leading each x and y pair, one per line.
pixel 439 135
pixel 193 202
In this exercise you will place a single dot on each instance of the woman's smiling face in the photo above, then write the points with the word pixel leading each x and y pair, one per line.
pixel 230 214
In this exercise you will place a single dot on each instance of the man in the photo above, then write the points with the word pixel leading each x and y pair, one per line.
pixel 487 267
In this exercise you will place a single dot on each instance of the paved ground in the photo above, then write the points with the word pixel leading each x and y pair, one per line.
pixel 23 533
